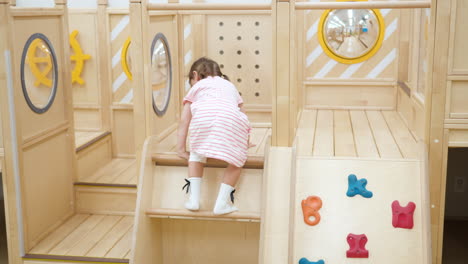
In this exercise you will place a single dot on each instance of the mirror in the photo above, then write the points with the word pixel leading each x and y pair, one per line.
pixel 161 74
pixel 39 73
pixel 351 35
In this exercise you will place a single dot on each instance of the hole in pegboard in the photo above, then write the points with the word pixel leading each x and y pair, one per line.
pixel 257 52
pixel 221 52
pixel 257 80
pixel 239 23
pixel 257 37
pixel 257 23
pixel 221 38
pixel 239 52
pixel 240 93
pixel 257 66
pixel 221 24
pixel 239 80
pixel 239 38
pixel 221 66
pixel 257 94
pixel 239 66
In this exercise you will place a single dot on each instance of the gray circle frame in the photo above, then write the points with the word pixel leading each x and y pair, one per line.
pixel 55 67
pixel 160 36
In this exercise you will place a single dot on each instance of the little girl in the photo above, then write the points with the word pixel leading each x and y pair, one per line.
pixel 219 129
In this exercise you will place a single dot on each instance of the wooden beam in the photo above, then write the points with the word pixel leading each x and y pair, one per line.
pixel 194 6
pixel 202 215
pixel 362 5
pixel 171 159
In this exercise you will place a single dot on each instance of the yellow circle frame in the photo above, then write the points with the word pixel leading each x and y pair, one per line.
pixel 341 59
pixel 123 58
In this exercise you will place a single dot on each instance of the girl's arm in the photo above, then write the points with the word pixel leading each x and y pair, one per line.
pixel 183 130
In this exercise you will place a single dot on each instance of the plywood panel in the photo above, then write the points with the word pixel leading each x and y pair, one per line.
pixel 30 122
pixel 92 158
pixel 460 53
pixel 120 249
pixel 215 240
pixel 86 25
pixel 365 144
pixel 458 138
pixel 46 183
pixel 458 97
pixel 123 133
pixel 87 119
pixel 386 144
pixel 363 96
pixel 167 26
pixel 324 141
pixel 343 134
pixel 105 200
pixel 242 44
pixel 375 223
pixel 413 113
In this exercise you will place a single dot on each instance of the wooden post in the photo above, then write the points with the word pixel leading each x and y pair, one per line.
pixel 284 106
pixel 435 112
pixel 103 61
pixel 8 177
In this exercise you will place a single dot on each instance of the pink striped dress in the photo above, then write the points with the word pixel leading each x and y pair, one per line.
pixel 218 128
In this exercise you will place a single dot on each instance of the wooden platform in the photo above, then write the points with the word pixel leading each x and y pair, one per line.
pixel 168 202
pixel 85 138
pixel 355 133
pixel 84 235
pixel 116 172
pixel 258 136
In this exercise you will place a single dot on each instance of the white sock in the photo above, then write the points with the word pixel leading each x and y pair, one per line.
pixel 193 202
pixel 223 204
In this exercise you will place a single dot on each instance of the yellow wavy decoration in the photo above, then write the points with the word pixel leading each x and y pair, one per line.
pixel 78 57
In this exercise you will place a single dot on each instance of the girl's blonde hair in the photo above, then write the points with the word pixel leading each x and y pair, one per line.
pixel 206 67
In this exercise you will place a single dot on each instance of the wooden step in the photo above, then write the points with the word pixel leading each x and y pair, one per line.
pixel 118 172
pixel 91 199
pixel 203 215
pixel 171 159
pixel 84 139
pixel 168 198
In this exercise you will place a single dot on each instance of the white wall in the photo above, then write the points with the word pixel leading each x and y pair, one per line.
pixel 35 3
pixel 118 3
pixel 82 3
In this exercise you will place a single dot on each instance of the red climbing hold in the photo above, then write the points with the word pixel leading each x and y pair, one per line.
pixel 310 207
pixel 357 246
pixel 403 216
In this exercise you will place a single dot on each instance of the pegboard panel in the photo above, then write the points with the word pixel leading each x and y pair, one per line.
pixel 381 66
pixel 119 30
pixel 242 46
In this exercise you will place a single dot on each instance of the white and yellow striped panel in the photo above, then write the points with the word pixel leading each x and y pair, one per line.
pixel 189 46
pixel 423 51
pixel 381 66
pixel 122 92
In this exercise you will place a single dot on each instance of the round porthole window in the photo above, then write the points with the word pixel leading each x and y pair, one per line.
pixel 161 74
pixel 351 35
pixel 39 75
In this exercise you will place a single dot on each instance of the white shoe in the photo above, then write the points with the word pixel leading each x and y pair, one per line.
pixel 193 186
pixel 223 205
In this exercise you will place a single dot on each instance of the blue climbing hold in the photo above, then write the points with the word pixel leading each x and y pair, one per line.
pixel 305 261
pixel 356 186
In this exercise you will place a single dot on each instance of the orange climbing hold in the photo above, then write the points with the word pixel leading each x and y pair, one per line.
pixel 310 207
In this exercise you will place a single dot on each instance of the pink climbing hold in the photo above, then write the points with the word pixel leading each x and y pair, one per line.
pixel 403 216
pixel 357 246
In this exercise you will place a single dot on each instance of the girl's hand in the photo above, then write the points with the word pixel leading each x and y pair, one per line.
pixel 183 154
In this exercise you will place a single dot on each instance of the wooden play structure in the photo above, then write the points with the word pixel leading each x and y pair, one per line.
pixel 90 99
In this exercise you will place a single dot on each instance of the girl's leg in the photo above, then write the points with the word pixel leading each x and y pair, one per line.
pixel 223 204
pixel 195 177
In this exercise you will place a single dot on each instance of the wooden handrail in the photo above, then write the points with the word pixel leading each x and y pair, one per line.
pixel 171 159
pixel 209 6
pixel 362 5
pixel 175 213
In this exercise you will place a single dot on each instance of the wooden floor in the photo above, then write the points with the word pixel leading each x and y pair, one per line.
pixel 258 136
pixel 100 236
pixel 355 133
pixel 117 171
